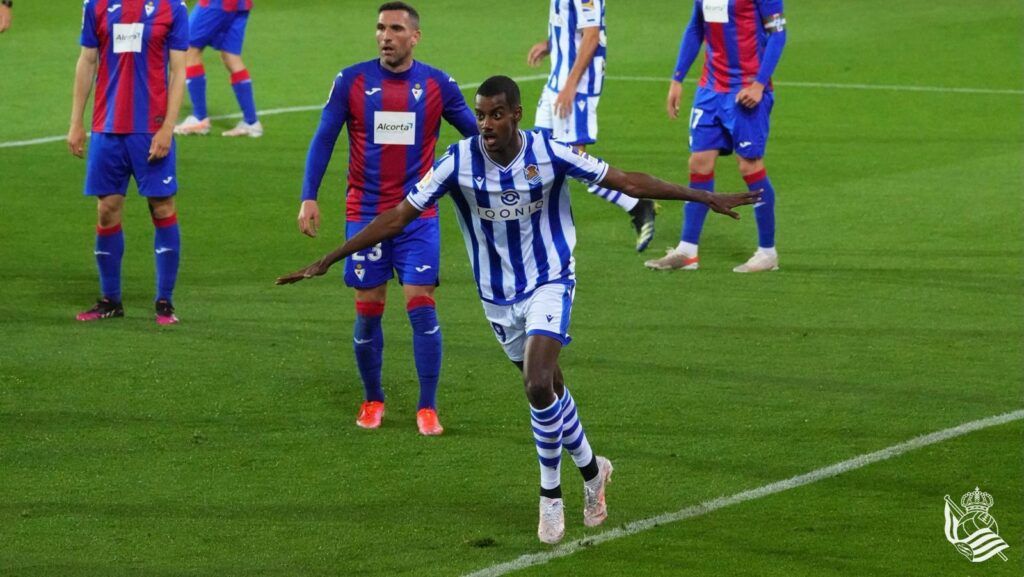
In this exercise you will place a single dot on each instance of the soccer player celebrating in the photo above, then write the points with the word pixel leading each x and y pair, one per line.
pixel 221 24
pixel 512 199
pixel 134 50
pixel 568 106
pixel 730 113
pixel 393 106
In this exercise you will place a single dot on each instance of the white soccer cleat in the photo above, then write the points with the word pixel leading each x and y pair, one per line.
pixel 551 528
pixel 674 260
pixel 595 509
pixel 192 125
pixel 761 261
pixel 243 128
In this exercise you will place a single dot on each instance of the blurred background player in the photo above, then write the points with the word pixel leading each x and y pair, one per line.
pixel 511 195
pixel 221 24
pixel 567 110
pixel 730 113
pixel 393 106
pixel 5 14
pixel 135 52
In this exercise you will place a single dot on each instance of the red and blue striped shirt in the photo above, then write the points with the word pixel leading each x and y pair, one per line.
pixel 133 39
pixel 737 43
pixel 393 124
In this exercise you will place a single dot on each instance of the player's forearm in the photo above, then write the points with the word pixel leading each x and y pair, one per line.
pixel 772 55
pixel 175 88
pixel 689 48
pixel 85 74
pixel 387 224
pixel 584 56
pixel 643 185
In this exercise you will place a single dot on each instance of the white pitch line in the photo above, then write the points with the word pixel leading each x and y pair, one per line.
pixel 777 487
pixel 837 86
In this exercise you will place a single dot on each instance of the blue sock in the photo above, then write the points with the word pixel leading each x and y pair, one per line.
pixel 195 79
pixel 368 343
pixel 167 250
pixel 694 213
pixel 574 438
pixel 764 211
pixel 242 85
pixel 426 348
pixel 109 251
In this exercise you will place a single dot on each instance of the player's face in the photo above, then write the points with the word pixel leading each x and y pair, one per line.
pixel 498 123
pixel 397 34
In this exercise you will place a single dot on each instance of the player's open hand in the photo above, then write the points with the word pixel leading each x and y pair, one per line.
pixel 725 203
pixel 76 140
pixel 316 269
pixel 160 146
pixel 309 218
pixel 537 53
pixel 675 95
pixel 564 102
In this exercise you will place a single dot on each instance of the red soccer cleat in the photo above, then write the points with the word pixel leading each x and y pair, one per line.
pixel 104 309
pixel 165 313
pixel 370 414
pixel 426 420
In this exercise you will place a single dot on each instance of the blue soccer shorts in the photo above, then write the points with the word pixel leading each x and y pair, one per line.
pixel 546 312
pixel 114 158
pixel 214 27
pixel 718 122
pixel 415 254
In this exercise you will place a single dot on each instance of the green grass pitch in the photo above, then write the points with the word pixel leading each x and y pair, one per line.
pixel 225 446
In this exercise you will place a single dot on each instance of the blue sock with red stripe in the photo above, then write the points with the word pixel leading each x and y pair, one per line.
pixel 368 343
pixel 109 251
pixel 242 85
pixel 195 79
pixel 426 348
pixel 694 213
pixel 764 211
pixel 167 251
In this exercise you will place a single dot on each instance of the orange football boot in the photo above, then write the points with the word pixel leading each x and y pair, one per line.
pixel 370 414
pixel 426 420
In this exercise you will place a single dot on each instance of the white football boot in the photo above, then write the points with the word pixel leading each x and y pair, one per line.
pixel 761 261
pixel 243 128
pixel 674 259
pixel 192 125
pixel 595 509
pixel 551 528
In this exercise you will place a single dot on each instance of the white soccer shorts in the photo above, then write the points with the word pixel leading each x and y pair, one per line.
pixel 580 127
pixel 545 312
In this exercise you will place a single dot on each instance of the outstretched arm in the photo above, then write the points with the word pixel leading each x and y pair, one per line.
pixel 388 224
pixel 643 185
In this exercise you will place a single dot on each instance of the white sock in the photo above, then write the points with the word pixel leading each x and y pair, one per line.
pixel 770 251
pixel 687 248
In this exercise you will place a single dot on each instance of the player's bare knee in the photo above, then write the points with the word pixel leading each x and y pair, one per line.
pixel 749 166
pixel 702 163
pixel 161 207
pixel 538 383
pixel 193 57
pixel 232 62
pixel 108 210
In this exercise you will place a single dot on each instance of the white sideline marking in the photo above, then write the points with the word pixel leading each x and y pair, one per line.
pixel 888 87
pixel 770 489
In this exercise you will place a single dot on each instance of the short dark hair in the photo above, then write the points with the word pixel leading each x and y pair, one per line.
pixel 496 85
pixel 413 14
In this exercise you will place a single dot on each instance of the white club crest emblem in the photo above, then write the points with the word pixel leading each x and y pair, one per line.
pixel 417 91
pixel 971 529
pixel 360 271
pixel 150 8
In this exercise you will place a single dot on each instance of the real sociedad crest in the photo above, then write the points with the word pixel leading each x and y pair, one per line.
pixel 532 174
pixel 970 529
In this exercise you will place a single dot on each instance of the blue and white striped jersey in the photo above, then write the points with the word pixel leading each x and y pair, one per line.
pixel 566 22
pixel 516 219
